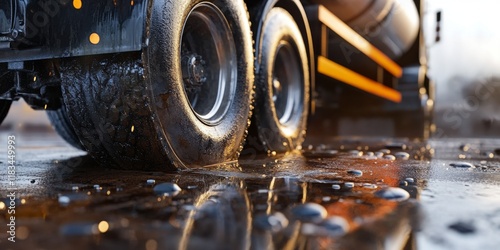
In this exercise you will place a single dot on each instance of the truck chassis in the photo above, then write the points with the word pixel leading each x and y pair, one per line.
pixel 180 84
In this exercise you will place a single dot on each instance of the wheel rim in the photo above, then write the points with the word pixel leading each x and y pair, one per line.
pixel 208 63
pixel 287 85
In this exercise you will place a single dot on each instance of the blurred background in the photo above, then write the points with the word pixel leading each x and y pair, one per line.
pixel 465 65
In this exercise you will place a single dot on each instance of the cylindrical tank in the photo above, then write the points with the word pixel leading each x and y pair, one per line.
pixel 391 25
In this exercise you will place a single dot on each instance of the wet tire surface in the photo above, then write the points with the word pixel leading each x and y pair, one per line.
pixel 60 121
pixel 282 48
pixel 109 110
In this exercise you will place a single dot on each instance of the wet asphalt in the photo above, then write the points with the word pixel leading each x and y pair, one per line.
pixel 338 193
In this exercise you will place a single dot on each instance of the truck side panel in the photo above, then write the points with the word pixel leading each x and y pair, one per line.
pixel 65 28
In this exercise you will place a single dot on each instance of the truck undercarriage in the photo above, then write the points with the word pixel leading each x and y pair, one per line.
pixel 164 84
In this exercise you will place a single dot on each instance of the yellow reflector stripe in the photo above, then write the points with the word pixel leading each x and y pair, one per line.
pixel 348 34
pixel 356 80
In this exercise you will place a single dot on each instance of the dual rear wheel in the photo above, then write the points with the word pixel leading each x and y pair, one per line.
pixel 186 100
pixel 282 83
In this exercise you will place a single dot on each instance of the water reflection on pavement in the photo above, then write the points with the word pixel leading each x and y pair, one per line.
pixel 344 194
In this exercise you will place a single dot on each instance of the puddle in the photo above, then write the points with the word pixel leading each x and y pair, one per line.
pixel 337 196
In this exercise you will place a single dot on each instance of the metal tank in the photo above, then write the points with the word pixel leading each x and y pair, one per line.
pixel 391 25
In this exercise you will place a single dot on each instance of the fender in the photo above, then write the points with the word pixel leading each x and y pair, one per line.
pixel 45 29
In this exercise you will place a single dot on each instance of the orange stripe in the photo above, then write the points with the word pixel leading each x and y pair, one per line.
pixel 348 34
pixel 356 80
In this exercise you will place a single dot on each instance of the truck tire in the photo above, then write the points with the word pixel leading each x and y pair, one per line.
pixel 4 109
pixel 60 121
pixel 76 87
pixel 184 102
pixel 282 84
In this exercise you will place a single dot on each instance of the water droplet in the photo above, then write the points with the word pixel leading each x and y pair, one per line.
pixel 349 184
pixel 379 154
pixel 274 222
pixel 463 227
pixel 384 151
pixel 393 194
pixel 150 182
pixel 321 154
pixel 462 165
pixel 369 186
pixel 353 172
pixel 402 155
pixel 489 154
pixel 336 187
pixel 331 227
pixel 410 180
pixel 464 147
pixel 373 157
pixel 167 189
pixel 75 188
pixel 335 226
pixel 64 200
pixel 356 153
pixel 390 157
pixel 369 153
pixel 309 212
